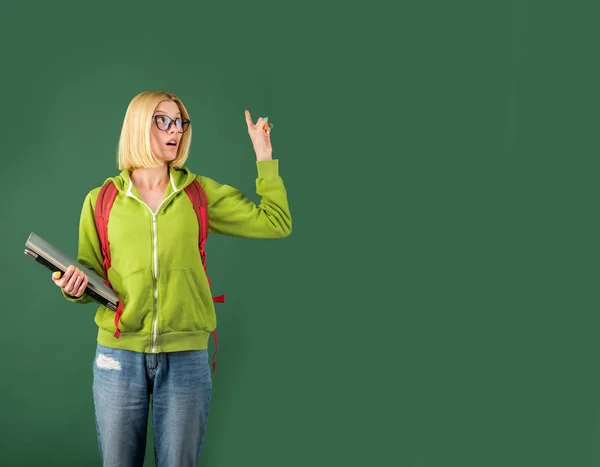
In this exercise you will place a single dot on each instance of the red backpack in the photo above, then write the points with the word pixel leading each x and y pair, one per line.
pixel 104 203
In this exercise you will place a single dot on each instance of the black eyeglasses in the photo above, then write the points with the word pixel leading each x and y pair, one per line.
pixel 164 122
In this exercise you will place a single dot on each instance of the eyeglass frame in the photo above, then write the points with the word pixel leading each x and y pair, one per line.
pixel 171 121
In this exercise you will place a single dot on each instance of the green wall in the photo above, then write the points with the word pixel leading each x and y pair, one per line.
pixel 436 304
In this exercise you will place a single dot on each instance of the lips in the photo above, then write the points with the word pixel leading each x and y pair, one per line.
pixel 172 143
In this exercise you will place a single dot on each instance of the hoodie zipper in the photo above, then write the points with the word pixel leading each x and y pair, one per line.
pixel 155 250
pixel 155 256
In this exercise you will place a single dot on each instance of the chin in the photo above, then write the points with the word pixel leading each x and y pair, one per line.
pixel 169 157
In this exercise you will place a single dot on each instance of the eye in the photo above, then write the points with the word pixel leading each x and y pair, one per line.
pixel 183 124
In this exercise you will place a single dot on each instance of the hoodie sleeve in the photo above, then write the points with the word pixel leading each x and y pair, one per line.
pixel 230 212
pixel 89 252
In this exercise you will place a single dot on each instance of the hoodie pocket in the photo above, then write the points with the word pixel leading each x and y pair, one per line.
pixel 181 308
pixel 136 291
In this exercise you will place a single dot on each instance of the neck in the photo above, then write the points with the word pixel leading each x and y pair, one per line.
pixel 149 178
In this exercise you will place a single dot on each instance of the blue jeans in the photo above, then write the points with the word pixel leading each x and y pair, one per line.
pixel 180 384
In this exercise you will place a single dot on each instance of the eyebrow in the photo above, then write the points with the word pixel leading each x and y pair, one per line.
pixel 164 112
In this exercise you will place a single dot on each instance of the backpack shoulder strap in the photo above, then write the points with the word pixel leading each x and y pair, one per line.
pixel 104 203
pixel 198 198
pixel 199 201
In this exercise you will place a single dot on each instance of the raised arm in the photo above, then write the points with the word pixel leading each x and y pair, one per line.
pixel 230 212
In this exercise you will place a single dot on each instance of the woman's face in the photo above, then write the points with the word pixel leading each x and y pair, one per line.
pixel 165 144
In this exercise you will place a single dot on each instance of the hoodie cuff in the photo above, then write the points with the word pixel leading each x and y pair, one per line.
pixel 74 299
pixel 268 169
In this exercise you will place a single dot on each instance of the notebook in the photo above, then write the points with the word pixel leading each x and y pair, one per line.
pixel 51 257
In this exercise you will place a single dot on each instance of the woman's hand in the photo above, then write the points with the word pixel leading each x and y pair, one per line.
pixel 73 281
pixel 261 138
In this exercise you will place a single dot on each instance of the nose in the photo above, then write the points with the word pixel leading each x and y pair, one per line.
pixel 172 129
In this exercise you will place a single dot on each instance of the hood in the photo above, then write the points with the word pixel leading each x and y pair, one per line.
pixel 180 178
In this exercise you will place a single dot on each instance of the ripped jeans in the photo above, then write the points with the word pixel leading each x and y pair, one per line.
pixel 180 385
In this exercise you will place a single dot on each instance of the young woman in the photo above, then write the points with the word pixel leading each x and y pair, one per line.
pixel 157 271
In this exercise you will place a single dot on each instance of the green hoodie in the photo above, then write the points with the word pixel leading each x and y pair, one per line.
pixel 156 267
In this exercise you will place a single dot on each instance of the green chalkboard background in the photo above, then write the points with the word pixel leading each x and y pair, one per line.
pixel 436 304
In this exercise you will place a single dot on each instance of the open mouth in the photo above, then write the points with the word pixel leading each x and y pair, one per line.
pixel 172 144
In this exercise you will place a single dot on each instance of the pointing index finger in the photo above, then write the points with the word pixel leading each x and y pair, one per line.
pixel 249 120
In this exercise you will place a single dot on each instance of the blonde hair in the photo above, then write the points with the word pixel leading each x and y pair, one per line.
pixel 134 144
